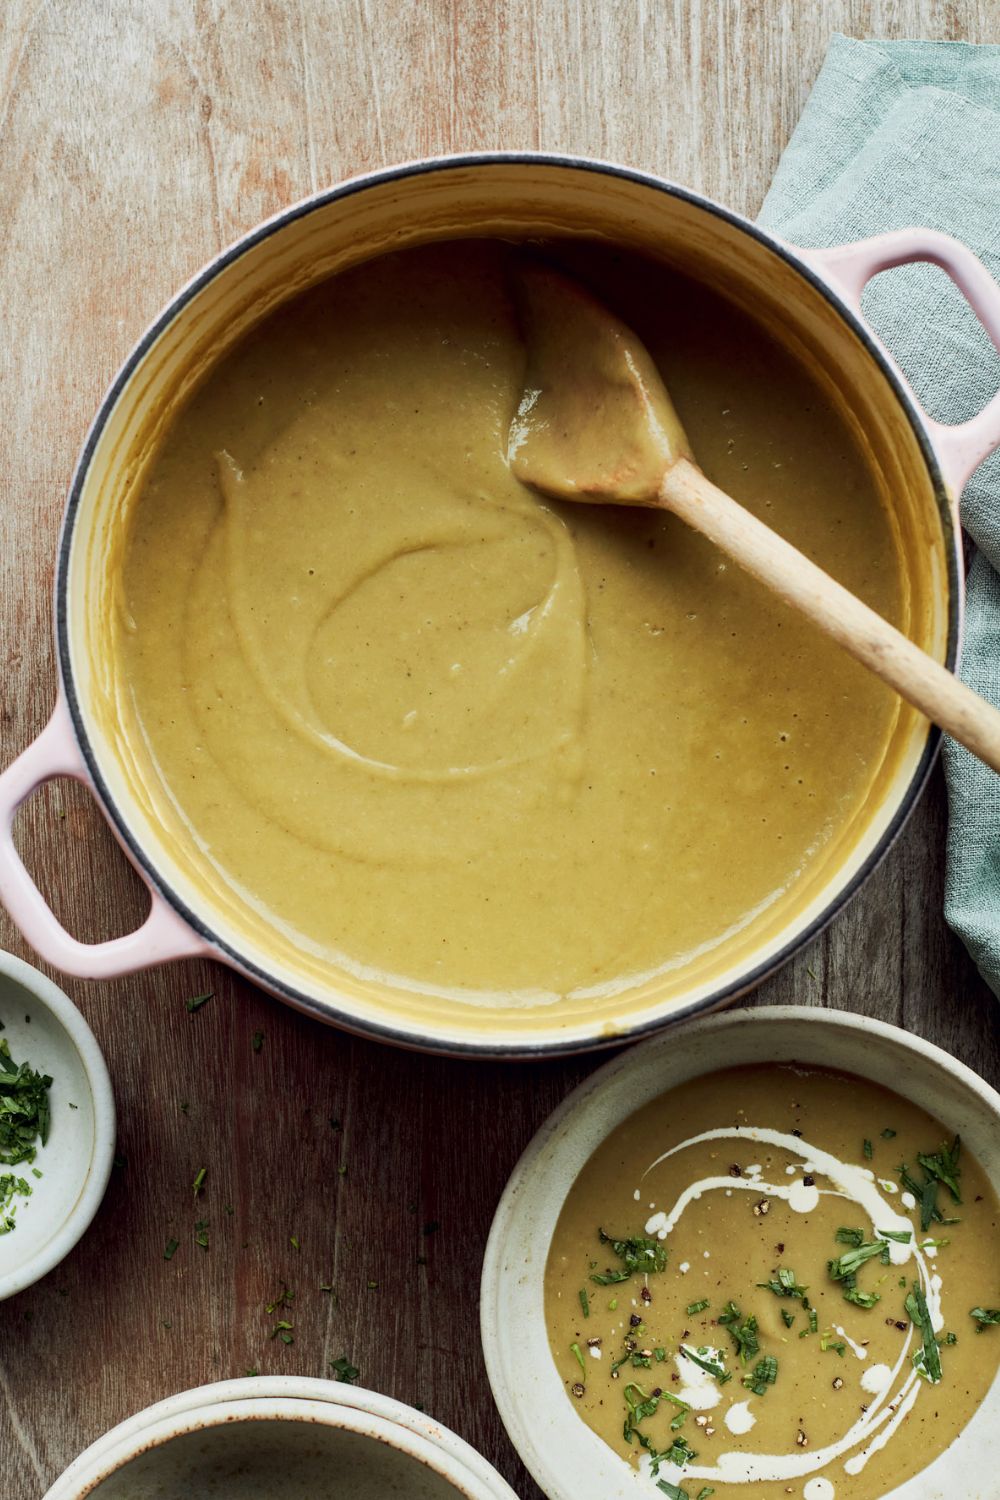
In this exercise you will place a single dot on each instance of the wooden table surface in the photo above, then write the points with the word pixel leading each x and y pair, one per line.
pixel 137 137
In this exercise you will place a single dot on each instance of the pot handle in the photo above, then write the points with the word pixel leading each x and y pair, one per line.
pixel 163 936
pixel 961 447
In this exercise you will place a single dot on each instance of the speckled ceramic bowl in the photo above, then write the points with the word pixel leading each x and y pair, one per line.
pixel 257 1438
pixel 566 1457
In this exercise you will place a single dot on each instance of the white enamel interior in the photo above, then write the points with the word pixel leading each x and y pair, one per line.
pixel 566 1458
pixel 512 197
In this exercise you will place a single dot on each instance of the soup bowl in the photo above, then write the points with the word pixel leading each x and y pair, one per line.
pixel 309 1439
pixel 809 298
pixel 564 1455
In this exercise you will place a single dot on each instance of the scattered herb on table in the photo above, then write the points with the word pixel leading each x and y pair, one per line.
pixel 199 1181
pixel 985 1317
pixel 283 1330
pixel 197 1001
pixel 201 1233
pixel 258 1041
pixel 345 1371
pixel 171 1249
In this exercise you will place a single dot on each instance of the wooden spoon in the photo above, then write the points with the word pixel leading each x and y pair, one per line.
pixel 596 423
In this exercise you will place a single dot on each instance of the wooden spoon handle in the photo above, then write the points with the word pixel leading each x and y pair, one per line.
pixel 839 614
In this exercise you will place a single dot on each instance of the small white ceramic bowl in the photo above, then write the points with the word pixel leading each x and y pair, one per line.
pixel 568 1460
pixel 305 1439
pixel 44 1028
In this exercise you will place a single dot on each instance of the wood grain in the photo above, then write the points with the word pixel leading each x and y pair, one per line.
pixel 136 139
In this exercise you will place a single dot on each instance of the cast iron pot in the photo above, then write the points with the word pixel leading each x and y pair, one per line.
pixel 811 297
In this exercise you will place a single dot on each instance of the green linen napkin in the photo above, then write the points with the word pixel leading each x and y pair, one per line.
pixel 908 133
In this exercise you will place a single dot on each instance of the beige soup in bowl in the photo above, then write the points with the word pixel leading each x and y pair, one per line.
pixel 448 736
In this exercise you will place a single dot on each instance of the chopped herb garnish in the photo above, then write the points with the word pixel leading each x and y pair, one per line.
pixel 706 1493
pixel 927 1360
pixel 201 1233
pixel 852 1260
pixel 672 1491
pixel 283 1330
pixel 199 1181
pixel 787 1318
pixel 170 1250
pixel 901 1236
pixel 861 1299
pixel 197 1001
pixel 813 1324
pixel 695 1307
pixel 853 1237
pixel 635 1254
pixel 828 1341
pixel 943 1166
pixel 24 1125
pixel 986 1317
pixel 743 1334
pixel 783 1285
pixel 576 1351
pixel 763 1374
pixel 868 1148
pixel 711 1366
pixel 888 1135
pixel 345 1371
pixel 584 1301
pixel 660 1355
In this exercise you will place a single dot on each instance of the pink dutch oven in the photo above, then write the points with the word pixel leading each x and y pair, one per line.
pixel 812 296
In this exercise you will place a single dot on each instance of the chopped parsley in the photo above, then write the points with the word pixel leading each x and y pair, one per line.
pixel 584 1301
pixel 939 1168
pixel 635 1254
pixel 855 1237
pixel 861 1299
pixel 985 1317
pixel 764 1373
pixel 743 1334
pixel 851 1261
pixel 695 1307
pixel 787 1317
pixel 784 1284
pixel 24 1125
pixel 704 1362
pixel 927 1360
pixel 828 1340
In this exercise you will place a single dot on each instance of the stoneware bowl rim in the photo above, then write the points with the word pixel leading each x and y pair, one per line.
pixel 100 1148
pixel 292 1398
pixel 508 1270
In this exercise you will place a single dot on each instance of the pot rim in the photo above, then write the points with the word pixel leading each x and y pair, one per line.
pixel 324 1010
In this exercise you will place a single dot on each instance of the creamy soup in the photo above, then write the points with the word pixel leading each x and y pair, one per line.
pixel 777 1281
pixel 441 731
